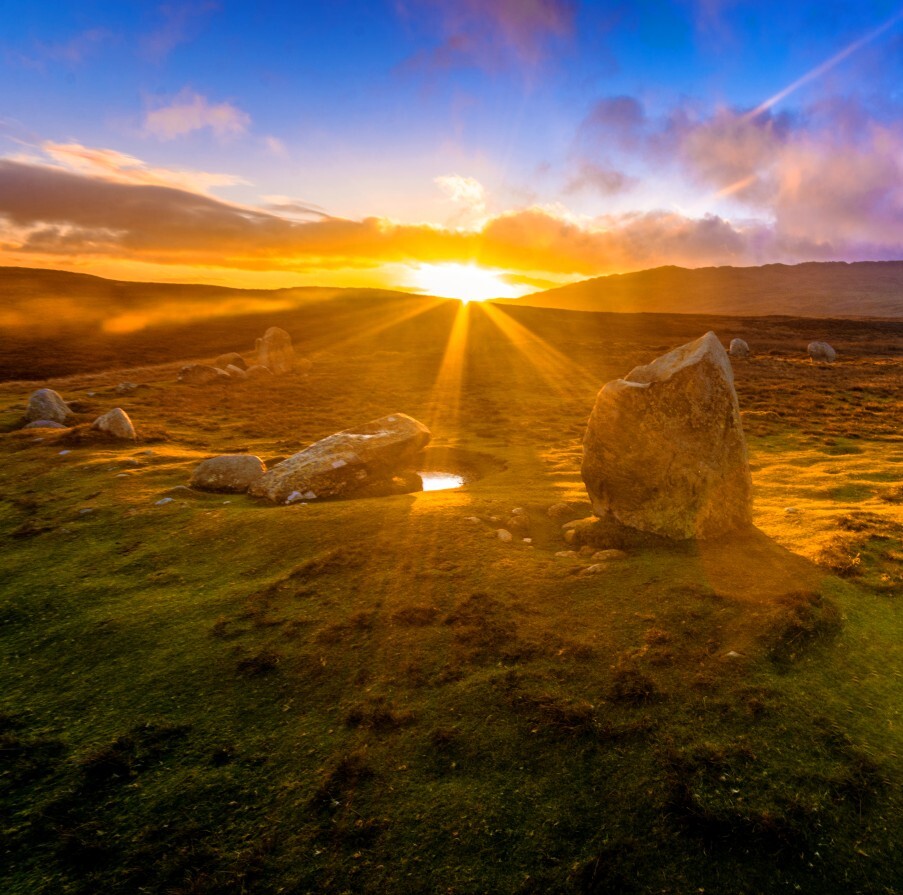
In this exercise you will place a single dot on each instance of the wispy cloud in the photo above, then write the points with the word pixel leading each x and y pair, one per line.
pixel 190 112
pixel 178 24
pixel 467 194
pixel 71 52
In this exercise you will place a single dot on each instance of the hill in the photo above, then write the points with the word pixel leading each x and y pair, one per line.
pixel 813 289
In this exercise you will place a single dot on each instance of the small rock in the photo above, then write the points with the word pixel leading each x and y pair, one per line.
pixel 44 424
pixel 147 452
pixel 115 423
pixel 228 472
pixel 738 348
pixel 518 523
pixel 472 519
pixel 568 553
pixel 124 475
pixel 791 510
pixel 822 351
pixel 594 569
pixel 236 372
pixel 63 453
pixel 84 511
pixel 586 550
pixel 202 374
pixel 232 358
pixel 733 654
pixel 558 511
pixel 570 536
pixel 504 535
pixel 46 404
pixel 125 388
pixel 518 511
pixel 528 540
pixel 258 371
pixel 608 555
pixel 163 501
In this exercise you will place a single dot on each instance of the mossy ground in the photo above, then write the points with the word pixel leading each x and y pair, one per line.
pixel 216 695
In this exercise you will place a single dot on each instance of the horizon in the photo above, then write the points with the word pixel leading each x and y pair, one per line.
pixel 455 149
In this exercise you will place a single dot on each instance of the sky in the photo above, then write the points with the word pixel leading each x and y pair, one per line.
pixel 495 145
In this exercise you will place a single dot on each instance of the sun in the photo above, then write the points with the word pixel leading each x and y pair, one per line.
pixel 464 281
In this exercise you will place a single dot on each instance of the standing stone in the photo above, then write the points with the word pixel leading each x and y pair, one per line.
pixel 115 423
pixel 233 358
pixel 738 348
pixel 228 472
pixel 349 462
pixel 46 404
pixel 664 450
pixel 822 351
pixel 275 351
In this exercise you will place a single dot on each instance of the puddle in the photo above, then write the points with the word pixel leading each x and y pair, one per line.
pixel 440 481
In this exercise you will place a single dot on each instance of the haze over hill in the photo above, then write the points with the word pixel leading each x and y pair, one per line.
pixel 813 289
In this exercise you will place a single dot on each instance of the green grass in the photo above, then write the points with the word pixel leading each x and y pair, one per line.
pixel 380 696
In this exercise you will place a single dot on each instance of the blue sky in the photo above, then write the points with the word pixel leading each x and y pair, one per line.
pixel 623 127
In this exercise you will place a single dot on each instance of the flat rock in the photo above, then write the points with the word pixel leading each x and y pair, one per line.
pixel 664 450
pixel 236 372
pixel 256 371
pixel 822 351
pixel 115 423
pixel 125 388
pixel 232 358
pixel 44 424
pixel 347 462
pixel 46 404
pixel 504 535
pixel 608 555
pixel 275 352
pixel 738 348
pixel 228 472
pixel 202 374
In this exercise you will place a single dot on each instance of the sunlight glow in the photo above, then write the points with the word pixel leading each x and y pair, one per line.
pixel 468 282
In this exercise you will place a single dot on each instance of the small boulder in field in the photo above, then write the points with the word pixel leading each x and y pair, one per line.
pixel 115 423
pixel 228 472
pixel 664 450
pixel 504 536
pixel 822 351
pixel 44 424
pixel 46 404
pixel 125 388
pixel 348 462
pixel 256 371
pixel 274 351
pixel 558 511
pixel 608 555
pixel 236 372
pixel 202 374
pixel 233 358
pixel 738 348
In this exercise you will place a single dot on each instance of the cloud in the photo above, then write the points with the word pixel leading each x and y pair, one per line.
pixel 601 179
pixel 71 52
pixel 190 112
pixel 275 146
pixel 466 192
pixel 490 33
pixel 118 167
pixel 49 212
pixel 179 24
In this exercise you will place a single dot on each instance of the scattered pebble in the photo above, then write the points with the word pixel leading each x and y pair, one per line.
pixel 518 511
pixel 790 510
pixel 63 453
pixel 163 501
pixel 528 540
pixel 123 475
pixel 504 535
pixel 607 555
pixel 226 501
pixel 733 654
pixel 495 518
pixel 472 519
pixel 558 510
pixel 568 553
pixel 594 569
pixel 85 510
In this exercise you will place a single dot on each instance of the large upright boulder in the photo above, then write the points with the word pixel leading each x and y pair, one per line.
pixel 46 404
pixel 664 450
pixel 275 352
pixel 348 462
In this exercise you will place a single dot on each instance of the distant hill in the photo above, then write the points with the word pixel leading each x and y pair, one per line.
pixel 814 289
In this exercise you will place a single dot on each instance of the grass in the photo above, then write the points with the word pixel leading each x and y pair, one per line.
pixel 218 696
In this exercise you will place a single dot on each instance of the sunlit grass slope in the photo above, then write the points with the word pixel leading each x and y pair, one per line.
pixel 219 696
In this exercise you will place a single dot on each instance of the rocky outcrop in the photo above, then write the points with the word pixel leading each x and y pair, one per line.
pixel 822 351
pixel 46 404
pixel 348 463
pixel 275 352
pixel 116 424
pixel 228 472
pixel 738 348
pixel 202 374
pixel 664 450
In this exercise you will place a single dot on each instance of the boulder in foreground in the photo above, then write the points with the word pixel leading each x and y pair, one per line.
pixel 46 404
pixel 115 423
pixel 275 352
pixel 822 351
pixel 664 450
pixel 228 472
pixel 348 463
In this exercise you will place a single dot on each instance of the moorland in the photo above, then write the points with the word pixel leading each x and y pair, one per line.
pixel 219 695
